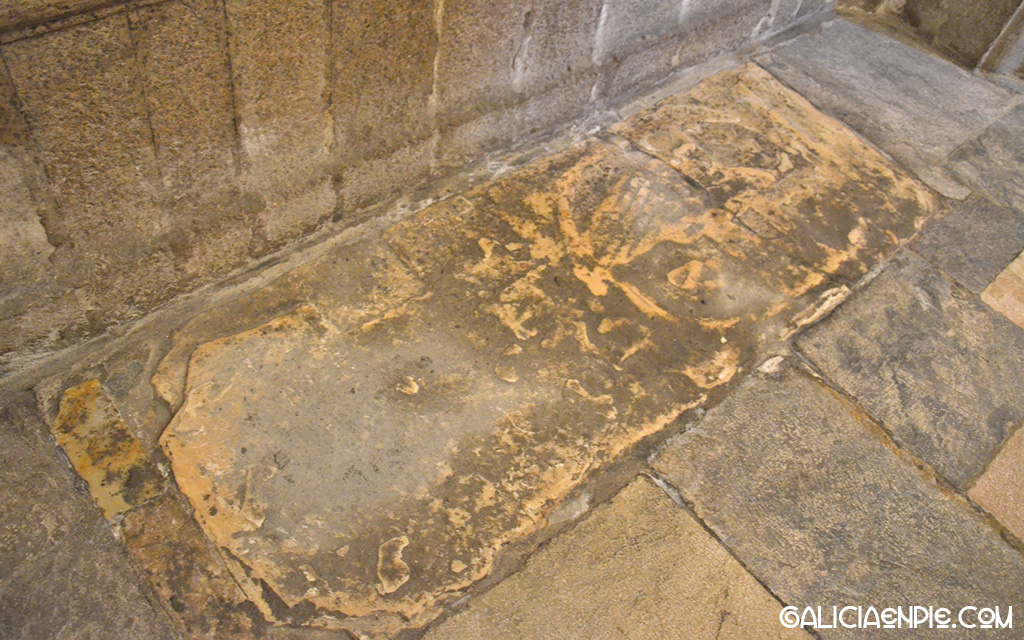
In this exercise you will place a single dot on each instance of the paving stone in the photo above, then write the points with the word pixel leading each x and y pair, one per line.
pixel 384 59
pixel 279 57
pixel 81 94
pixel 1000 489
pixel 63 575
pixel 973 241
pixel 991 162
pixel 638 566
pixel 558 46
pixel 930 363
pixel 769 183
pixel 186 570
pixel 103 451
pixel 1006 293
pixel 913 105
pixel 531 331
pixel 626 26
pixel 801 486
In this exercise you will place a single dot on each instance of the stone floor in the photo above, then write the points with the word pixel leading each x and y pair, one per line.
pixel 757 345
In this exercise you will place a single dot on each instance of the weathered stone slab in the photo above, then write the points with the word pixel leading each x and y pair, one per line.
pixel 915 106
pixel 991 162
pixel 16 13
pixel 803 488
pixel 930 363
pixel 772 163
pixel 63 575
pixel 638 565
pixel 973 241
pixel 572 309
pixel 1001 488
pixel 103 451
pixel 1006 293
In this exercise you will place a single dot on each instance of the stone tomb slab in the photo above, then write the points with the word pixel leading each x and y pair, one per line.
pixel 367 473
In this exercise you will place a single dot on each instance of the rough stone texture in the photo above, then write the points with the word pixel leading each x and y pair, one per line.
pixel 973 241
pixel 915 106
pixel 17 13
pixel 81 95
pixel 803 489
pixel 536 329
pixel 182 53
pixel 103 451
pixel 63 576
pixel 24 247
pixel 1001 488
pixel 1006 293
pixel 384 58
pixel 961 32
pixel 935 367
pixel 279 54
pixel 638 566
pixel 185 569
pixel 991 162
pixel 473 80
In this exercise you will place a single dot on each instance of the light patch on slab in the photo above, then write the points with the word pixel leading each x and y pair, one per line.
pixel 1006 293
pixel 103 451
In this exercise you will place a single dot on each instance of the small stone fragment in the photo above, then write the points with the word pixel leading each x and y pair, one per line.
pixel 101 449
pixel 391 570
pixel 409 386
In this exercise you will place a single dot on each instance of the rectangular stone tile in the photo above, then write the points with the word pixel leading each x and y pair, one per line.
pixel 384 74
pixel 992 162
pixel 1006 293
pixel 63 575
pixel 82 96
pixel 973 241
pixel 279 60
pixel 637 567
pixel 915 106
pixel 936 368
pixel 1000 490
pixel 799 484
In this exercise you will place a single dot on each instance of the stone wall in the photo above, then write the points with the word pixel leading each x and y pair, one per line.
pixel 961 31
pixel 149 147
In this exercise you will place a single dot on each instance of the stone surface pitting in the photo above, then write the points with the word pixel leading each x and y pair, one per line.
pixel 541 326
pixel 639 567
pixel 103 451
pixel 804 490
pixel 933 365
pixel 973 241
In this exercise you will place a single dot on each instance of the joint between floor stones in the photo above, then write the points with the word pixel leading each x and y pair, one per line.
pixel 236 118
pixel 164 196
pixel 676 496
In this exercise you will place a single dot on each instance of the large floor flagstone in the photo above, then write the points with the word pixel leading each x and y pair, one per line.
pixel 559 315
